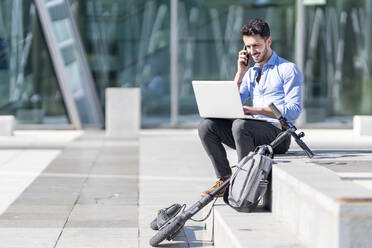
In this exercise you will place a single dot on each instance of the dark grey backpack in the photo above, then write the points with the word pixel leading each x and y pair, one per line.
pixel 248 182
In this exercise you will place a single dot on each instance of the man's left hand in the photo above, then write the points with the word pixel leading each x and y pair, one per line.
pixel 258 111
pixel 249 110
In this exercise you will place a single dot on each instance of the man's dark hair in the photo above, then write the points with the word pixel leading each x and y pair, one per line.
pixel 256 26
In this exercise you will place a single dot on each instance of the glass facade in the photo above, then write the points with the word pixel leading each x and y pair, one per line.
pixel 209 41
pixel 78 82
pixel 130 44
pixel 28 85
pixel 337 62
pixel 127 45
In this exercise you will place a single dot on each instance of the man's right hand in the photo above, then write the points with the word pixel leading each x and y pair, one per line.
pixel 243 61
pixel 243 66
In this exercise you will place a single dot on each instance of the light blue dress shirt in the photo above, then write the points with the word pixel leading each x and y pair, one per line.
pixel 280 83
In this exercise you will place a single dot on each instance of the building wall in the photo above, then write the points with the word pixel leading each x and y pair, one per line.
pixel 128 44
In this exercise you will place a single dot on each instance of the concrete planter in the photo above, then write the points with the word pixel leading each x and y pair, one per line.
pixel 362 125
pixel 6 125
pixel 123 112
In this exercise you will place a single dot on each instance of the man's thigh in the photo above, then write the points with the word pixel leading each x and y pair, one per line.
pixel 261 132
pixel 220 128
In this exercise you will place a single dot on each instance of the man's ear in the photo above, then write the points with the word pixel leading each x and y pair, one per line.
pixel 269 41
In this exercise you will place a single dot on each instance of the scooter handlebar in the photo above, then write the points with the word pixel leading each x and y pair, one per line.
pixel 291 128
pixel 275 110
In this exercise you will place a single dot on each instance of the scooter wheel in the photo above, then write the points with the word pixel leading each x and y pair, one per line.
pixel 171 212
pixel 168 231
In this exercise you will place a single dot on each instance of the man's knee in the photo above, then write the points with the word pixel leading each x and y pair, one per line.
pixel 205 127
pixel 238 127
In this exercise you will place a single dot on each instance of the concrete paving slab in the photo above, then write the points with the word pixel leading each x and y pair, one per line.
pixel 28 237
pixel 112 159
pixel 117 198
pixel 47 198
pixel 37 222
pixel 19 171
pixel 76 161
pixel 98 238
pixel 103 216
pixel 116 169
pixel 68 167
pixel 121 147
pixel 48 202
pixel 40 216
pixel 46 180
pixel 110 183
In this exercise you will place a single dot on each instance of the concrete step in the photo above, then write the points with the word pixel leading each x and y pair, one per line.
pixel 318 206
pixel 312 206
pixel 238 230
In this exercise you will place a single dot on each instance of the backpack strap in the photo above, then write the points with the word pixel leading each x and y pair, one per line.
pixel 267 151
pixel 226 195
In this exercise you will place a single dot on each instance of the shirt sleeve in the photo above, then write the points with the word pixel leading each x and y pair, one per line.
pixel 292 107
pixel 244 90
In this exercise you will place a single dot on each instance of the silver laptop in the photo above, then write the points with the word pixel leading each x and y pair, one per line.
pixel 219 99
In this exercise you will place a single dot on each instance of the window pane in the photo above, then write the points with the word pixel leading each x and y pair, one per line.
pixel 127 44
pixel 209 41
pixel 28 84
pixel 77 80
pixel 338 65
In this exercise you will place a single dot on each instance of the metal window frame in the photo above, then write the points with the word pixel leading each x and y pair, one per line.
pixel 300 52
pixel 59 66
pixel 92 96
pixel 57 62
pixel 174 62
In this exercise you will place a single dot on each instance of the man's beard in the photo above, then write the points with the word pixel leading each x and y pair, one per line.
pixel 264 55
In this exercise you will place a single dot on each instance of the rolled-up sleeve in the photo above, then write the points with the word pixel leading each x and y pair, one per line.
pixel 292 78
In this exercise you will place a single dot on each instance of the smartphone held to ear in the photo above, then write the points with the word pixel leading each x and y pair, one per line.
pixel 246 55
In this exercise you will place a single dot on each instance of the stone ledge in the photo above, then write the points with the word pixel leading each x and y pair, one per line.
pixel 240 230
pixel 317 207
pixel 322 209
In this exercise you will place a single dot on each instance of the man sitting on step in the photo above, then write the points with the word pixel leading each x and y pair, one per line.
pixel 271 79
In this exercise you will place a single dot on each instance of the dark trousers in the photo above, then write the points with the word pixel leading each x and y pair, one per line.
pixel 242 135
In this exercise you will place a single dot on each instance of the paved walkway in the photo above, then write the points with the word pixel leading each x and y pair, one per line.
pixel 75 193
pixel 74 190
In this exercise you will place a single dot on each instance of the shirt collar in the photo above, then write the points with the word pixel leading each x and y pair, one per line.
pixel 270 62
